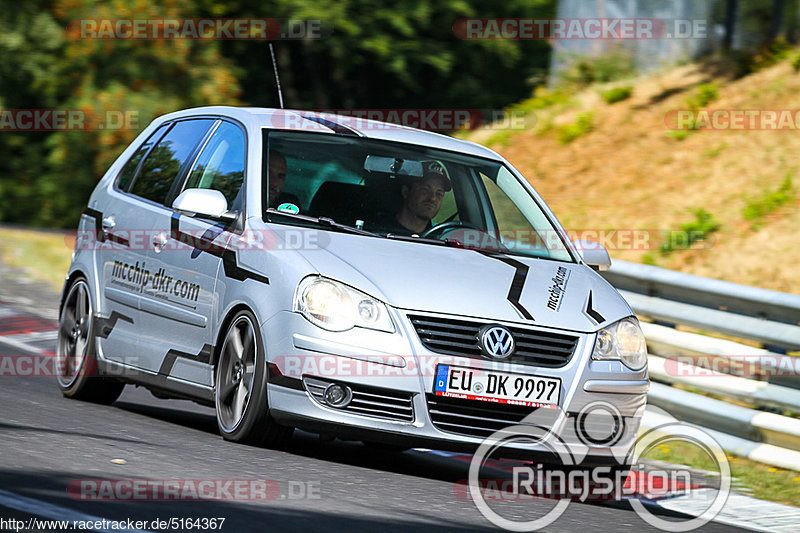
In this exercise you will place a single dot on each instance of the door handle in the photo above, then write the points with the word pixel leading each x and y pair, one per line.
pixel 109 222
pixel 159 241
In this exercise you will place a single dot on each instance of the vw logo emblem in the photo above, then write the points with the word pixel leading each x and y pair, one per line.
pixel 497 342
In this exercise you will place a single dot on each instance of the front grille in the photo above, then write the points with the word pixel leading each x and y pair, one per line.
pixel 461 337
pixel 368 401
pixel 472 417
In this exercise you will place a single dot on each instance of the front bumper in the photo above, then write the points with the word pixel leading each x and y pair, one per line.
pixel 597 418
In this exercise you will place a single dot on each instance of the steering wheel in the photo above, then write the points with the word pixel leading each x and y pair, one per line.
pixel 487 240
pixel 444 227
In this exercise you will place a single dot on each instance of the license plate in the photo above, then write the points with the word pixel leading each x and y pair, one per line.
pixel 496 387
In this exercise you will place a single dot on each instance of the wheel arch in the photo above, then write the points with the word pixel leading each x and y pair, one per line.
pixel 67 284
pixel 223 328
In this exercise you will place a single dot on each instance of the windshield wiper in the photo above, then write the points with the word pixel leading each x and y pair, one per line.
pixel 323 221
pixel 409 238
pixel 451 243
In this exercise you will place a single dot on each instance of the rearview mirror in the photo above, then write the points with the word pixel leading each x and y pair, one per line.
pixel 204 202
pixel 595 255
pixel 393 165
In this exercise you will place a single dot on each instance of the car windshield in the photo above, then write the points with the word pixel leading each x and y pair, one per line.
pixel 403 191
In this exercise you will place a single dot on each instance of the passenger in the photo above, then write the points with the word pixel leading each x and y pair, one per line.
pixel 422 199
pixel 276 180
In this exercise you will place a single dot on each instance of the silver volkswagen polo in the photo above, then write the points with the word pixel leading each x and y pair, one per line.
pixel 351 278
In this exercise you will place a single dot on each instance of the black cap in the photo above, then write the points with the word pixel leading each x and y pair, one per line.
pixel 434 169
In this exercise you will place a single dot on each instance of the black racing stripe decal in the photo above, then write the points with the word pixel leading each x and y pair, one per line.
pixel 275 377
pixel 203 244
pixel 117 239
pixel 515 291
pixel 335 126
pixel 104 326
pixel 204 356
pixel 592 312
pixel 100 233
pixel 98 222
pixel 209 235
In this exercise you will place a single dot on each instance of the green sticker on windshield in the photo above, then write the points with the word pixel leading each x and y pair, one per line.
pixel 289 208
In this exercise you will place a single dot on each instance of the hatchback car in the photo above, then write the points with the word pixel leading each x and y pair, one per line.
pixel 347 277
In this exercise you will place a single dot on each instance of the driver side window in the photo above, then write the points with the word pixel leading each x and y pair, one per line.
pixel 220 165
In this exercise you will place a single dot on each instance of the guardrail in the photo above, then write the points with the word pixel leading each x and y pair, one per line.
pixel 770 379
pixel 769 317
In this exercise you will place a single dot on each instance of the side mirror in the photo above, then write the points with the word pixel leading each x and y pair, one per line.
pixel 595 255
pixel 204 202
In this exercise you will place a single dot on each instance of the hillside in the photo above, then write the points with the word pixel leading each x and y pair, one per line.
pixel 626 170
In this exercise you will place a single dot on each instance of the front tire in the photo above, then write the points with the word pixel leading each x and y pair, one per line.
pixel 241 387
pixel 76 364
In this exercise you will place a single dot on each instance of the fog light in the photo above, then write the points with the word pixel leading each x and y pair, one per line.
pixel 600 424
pixel 337 395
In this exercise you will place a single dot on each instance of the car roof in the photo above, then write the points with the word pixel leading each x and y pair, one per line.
pixel 299 120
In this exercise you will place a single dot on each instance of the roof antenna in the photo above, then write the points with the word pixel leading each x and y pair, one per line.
pixel 277 78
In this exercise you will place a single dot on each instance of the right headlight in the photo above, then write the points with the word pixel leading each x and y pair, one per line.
pixel 622 341
pixel 336 307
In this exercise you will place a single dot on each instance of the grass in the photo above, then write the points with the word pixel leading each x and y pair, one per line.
pixel 703 95
pixel 768 201
pixel 583 124
pixel 44 256
pixel 543 98
pixel 699 229
pixel 616 94
pixel 500 138
pixel 679 135
pixel 582 71
pixel 711 153
pixel 762 481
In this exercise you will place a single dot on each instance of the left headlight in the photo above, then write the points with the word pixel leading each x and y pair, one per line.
pixel 622 341
pixel 336 307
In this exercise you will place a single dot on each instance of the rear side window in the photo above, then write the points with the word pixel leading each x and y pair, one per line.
pixel 221 164
pixel 165 160
pixel 130 167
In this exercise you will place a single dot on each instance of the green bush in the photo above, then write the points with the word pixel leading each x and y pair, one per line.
pixel 757 208
pixel 583 71
pixel 583 124
pixel 796 62
pixel 543 98
pixel 699 229
pixel 617 94
pixel 703 95
pixel 678 135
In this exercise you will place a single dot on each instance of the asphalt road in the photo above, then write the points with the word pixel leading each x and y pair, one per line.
pixel 48 443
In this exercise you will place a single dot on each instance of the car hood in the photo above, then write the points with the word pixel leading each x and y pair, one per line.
pixel 470 283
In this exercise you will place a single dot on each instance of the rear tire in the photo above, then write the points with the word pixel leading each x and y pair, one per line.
pixel 76 363
pixel 241 387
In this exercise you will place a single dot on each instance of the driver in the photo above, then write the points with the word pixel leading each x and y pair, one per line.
pixel 422 199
